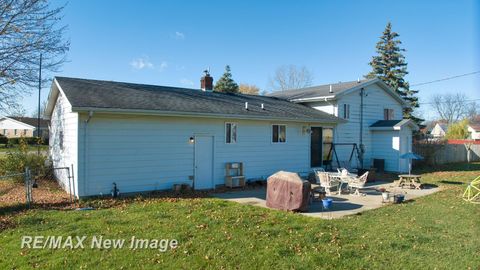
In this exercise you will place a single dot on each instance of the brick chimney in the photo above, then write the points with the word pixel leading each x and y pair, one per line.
pixel 206 82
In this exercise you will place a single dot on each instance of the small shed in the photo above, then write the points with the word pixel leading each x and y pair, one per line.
pixel 390 140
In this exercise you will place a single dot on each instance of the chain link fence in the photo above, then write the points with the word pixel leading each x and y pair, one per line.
pixel 53 188
pixel 27 180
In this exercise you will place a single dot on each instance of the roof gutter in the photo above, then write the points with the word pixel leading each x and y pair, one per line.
pixel 313 99
pixel 203 115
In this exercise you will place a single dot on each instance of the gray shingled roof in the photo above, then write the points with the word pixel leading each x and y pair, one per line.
pixel 84 94
pixel 31 121
pixel 475 126
pixel 318 91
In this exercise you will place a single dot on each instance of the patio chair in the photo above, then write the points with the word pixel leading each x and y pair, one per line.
pixel 326 181
pixel 358 183
pixel 343 171
pixel 347 166
pixel 318 170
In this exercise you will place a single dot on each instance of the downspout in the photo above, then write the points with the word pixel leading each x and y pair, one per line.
pixel 362 147
pixel 90 115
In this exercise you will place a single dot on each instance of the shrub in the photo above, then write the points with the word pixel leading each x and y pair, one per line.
pixel 18 159
pixel 28 140
pixel 458 131
pixel 3 140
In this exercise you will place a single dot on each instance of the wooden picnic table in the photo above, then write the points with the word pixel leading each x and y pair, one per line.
pixel 411 180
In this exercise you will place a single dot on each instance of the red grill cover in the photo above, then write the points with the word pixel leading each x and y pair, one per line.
pixel 287 191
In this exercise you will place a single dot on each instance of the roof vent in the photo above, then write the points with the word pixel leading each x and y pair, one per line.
pixel 331 89
pixel 246 105
pixel 262 106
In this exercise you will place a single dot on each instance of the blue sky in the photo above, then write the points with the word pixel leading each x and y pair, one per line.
pixel 171 42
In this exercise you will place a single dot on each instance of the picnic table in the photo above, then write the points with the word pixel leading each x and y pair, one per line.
pixel 411 180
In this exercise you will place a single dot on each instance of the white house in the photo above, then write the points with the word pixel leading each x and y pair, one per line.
pixel 12 128
pixel 146 137
pixel 474 130
pixel 374 121
pixel 439 131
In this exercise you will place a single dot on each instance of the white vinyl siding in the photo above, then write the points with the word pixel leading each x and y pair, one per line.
pixel 63 141
pixel 325 107
pixel 374 101
pixel 164 155
pixel 372 112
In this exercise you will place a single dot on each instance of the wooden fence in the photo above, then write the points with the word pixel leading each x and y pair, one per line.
pixel 435 154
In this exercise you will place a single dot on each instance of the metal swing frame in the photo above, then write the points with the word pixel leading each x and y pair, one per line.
pixel 333 151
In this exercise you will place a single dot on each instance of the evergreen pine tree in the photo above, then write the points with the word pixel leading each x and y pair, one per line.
pixel 226 84
pixel 390 66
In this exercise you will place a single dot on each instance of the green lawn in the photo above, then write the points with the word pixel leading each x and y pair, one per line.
pixel 440 231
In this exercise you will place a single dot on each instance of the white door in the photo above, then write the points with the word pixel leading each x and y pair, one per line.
pixel 405 147
pixel 203 162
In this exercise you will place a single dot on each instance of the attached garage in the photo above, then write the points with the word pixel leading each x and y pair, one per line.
pixel 390 140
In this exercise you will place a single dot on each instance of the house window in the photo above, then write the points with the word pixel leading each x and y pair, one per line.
pixel 5 132
pixel 24 132
pixel 15 132
pixel 60 139
pixel 346 111
pixel 388 114
pixel 279 133
pixel 230 133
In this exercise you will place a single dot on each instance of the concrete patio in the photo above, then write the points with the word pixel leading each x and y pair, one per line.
pixel 343 205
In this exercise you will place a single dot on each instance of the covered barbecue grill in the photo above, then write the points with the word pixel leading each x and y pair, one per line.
pixel 287 191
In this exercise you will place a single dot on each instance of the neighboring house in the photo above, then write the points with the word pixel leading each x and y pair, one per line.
pixel 34 122
pixel 439 131
pixel 146 137
pixel 11 128
pixel 474 130
pixel 373 112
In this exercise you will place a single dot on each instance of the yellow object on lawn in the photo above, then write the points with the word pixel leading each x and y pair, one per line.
pixel 472 193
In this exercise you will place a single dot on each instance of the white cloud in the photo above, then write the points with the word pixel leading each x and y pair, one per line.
pixel 163 65
pixel 179 35
pixel 141 63
pixel 186 82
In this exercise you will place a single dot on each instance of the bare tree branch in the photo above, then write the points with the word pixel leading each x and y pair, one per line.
pixel 452 107
pixel 28 28
pixel 291 77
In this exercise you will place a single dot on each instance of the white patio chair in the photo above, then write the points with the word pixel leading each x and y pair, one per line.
pixel 326 181
pixel 318 170
pixel 358 183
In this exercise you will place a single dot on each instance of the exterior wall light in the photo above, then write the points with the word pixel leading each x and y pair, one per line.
pixel 191 140
pixel 305 130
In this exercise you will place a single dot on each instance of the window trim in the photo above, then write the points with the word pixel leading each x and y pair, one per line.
pixel 271 133
pixel 346 111
pixel 236 133
pixel 388 114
